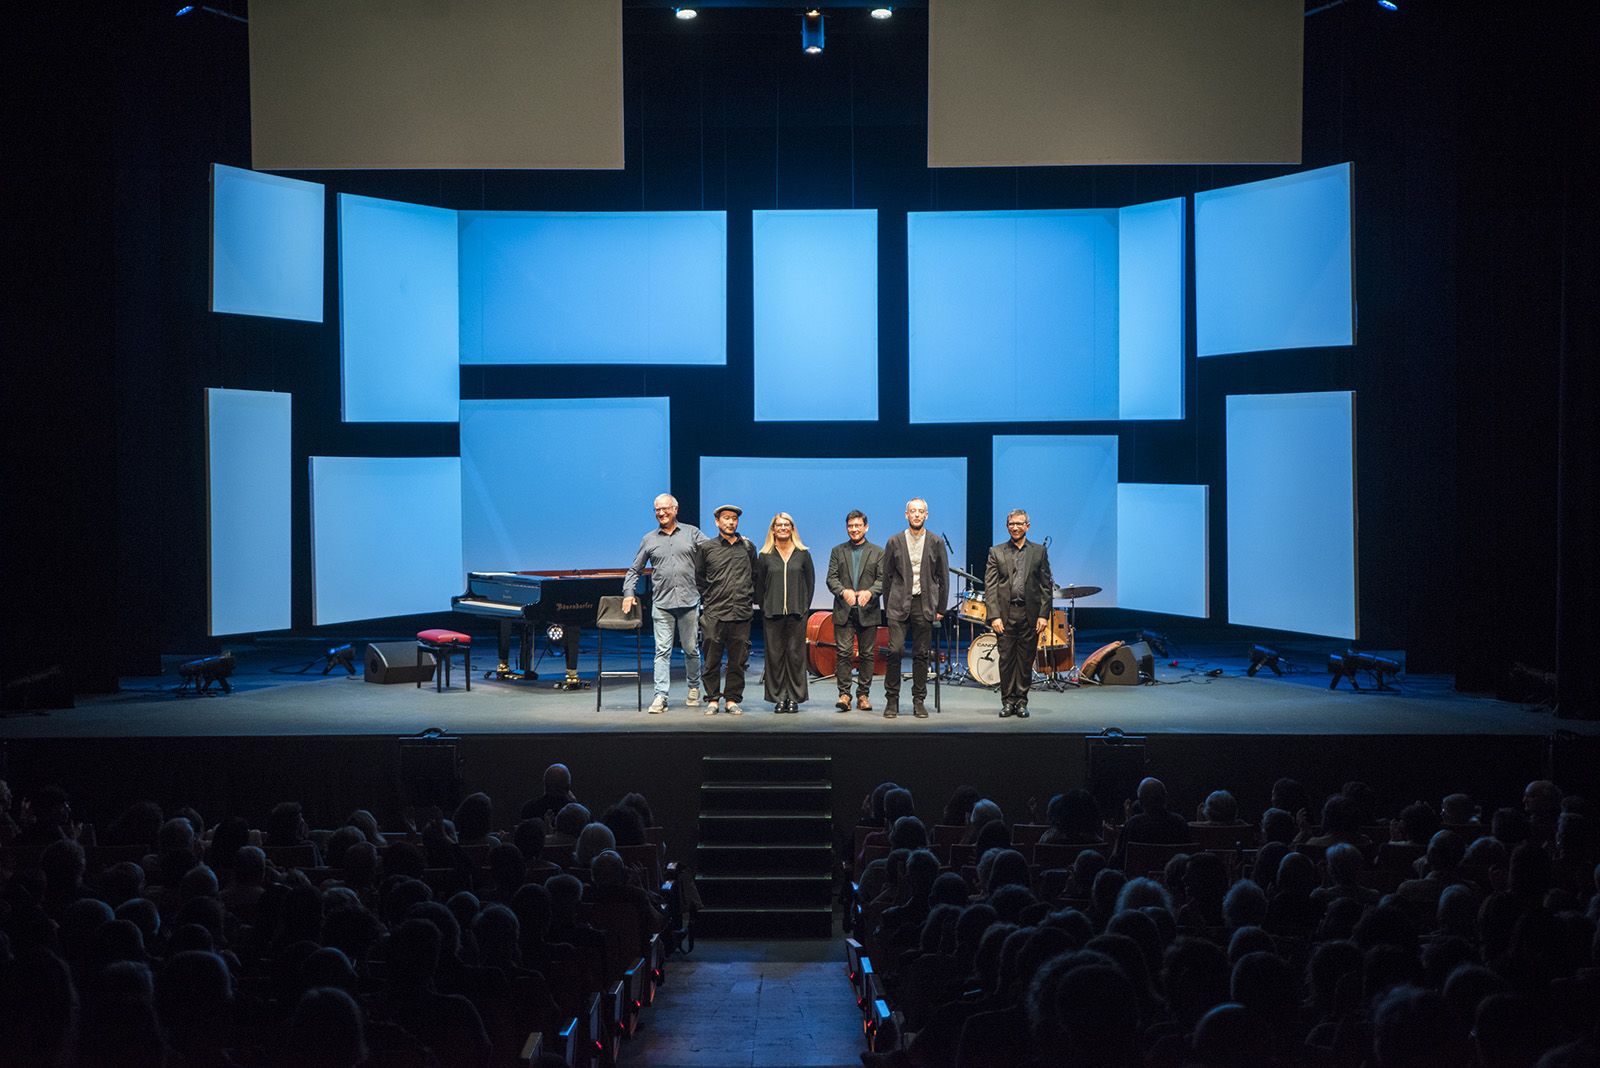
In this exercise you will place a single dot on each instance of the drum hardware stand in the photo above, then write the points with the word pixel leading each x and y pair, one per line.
pixel 1059 681
pixel 955 667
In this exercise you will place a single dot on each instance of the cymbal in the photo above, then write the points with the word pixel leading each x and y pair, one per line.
pixel 1072 593
pixel 969 576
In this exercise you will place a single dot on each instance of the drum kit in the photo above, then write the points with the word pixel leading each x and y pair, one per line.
pixel 1055 663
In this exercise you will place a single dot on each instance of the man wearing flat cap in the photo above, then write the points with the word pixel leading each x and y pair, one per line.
pixel 724 569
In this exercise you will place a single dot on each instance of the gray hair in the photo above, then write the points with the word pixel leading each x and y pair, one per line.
pixel 669 498
pixel 1023 512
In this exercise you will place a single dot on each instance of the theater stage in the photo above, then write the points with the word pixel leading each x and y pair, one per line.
pixel 333 741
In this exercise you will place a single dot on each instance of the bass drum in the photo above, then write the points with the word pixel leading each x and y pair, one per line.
pixel 983 659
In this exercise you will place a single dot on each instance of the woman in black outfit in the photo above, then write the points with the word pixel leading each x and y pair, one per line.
pixel 785 581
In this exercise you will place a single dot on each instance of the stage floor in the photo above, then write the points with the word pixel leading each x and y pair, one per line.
pixel 1185 700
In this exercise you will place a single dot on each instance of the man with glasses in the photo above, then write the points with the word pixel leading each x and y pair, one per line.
pixel 669 551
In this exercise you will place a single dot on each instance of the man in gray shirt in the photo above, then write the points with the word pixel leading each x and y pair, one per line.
pixel 675 607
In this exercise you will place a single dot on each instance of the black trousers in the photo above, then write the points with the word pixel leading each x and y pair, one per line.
pixel 733 637
pixel 1018 644
pixel 854 640
pixel 785 675
pixel 921 632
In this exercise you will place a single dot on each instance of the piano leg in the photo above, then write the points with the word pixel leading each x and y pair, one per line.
pixel 570 633
pixel 504 670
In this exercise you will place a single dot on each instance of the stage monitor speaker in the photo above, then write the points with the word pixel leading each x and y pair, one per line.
pixel 1116 763
pixel 1120 664
pixel 391 662
pixel 430 770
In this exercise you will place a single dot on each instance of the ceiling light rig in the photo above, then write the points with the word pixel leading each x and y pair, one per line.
pixel 685 13
pixel 811 35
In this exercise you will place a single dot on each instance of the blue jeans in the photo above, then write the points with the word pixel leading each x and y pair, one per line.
pixel 685 623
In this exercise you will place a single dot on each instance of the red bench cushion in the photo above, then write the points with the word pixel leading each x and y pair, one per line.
pixel 440 636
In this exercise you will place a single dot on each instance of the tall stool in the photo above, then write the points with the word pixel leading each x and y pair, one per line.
pixel 444 644
pixel 611 617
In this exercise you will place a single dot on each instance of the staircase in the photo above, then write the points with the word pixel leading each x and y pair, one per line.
pixel 764 865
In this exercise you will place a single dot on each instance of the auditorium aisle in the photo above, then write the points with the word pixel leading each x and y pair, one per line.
pixel 752 1005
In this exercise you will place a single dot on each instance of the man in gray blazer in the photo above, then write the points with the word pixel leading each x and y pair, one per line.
pixel 916 588
pixel 855 578
pixel 1016 591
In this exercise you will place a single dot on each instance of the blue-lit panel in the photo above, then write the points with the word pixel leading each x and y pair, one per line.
pixel 594 287
pixel 1162 553
pixel 1068 486
pixel 385 536
pixel 1150 310
pixel 549 484
pixel 266 245
pixel 1292 512
pixel 248 498
pixel 399 317
pixel 816 315
pixel 1013 315
pixel 818 493
pixel 1272 264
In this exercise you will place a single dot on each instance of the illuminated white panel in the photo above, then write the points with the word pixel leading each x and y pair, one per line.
pixel 266 245
pixel 248 499
pixel 1150 310
pixel 1292 512
pixel 1013 315
pixel 1068 486
pixel 399 316
pixel 553 484
pixel 819 492
pixel 385 536
pixel 816 315
pixel 1272 264
pixel 594 287
pixel 1162 553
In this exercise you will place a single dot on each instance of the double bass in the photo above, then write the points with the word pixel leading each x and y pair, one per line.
pixel 822 651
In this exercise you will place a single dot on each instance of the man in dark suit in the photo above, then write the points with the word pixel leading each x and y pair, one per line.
pixel 916 586
pixel 855 577
pixel 1016 590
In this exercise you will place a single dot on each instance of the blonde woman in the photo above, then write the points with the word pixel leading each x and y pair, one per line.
pixel 785 581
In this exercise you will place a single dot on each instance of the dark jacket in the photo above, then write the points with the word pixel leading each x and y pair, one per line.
pixel 871 613
pixel 784 588
pixel 897 576
pixel 998 585
pixel 726 575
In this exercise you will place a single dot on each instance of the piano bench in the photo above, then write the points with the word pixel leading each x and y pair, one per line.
pixel 443 644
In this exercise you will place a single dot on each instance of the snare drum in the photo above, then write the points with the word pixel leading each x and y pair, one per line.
pixel 973 609
pixel 983 659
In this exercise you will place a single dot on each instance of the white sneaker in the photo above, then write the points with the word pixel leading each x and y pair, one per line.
pixel 711 706
pixel 659 705
pixel 734 709
pixel 693 700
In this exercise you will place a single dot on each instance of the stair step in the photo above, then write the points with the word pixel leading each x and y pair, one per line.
pixel 770 769
pixel 734 922
pixel 812 828
pixel 733 857
pixel 765 891
pixel 766 797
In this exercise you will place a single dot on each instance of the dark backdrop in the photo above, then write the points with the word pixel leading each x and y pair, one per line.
pixel 1472 139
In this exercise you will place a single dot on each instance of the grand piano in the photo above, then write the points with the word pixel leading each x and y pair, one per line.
pixel 528 601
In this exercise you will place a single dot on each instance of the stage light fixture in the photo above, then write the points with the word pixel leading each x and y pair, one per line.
pixel 340 656
pixel 555 632
pixel 1389 5
pixel 186 9
pixel 685 13
pixel 190 9
pixel 1381 668
pixel 200 674
pixel 882 13
pixel 1159 643
pixel 1260 657
pixel 811 33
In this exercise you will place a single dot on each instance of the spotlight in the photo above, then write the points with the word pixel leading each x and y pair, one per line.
pixel 189 9
pixel 340 656
pixel 882 12
pixel 685 13
pixel 186 9
pixel 200 674
pixel 811 36
pixel 1389 5
pixel 1159 643
pixel 1260 657
pixel 555 632
pixel 1346 667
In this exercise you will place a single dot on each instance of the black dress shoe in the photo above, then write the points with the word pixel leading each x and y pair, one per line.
pixel 1005 710
pixel 891 708
pixel 1020 711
